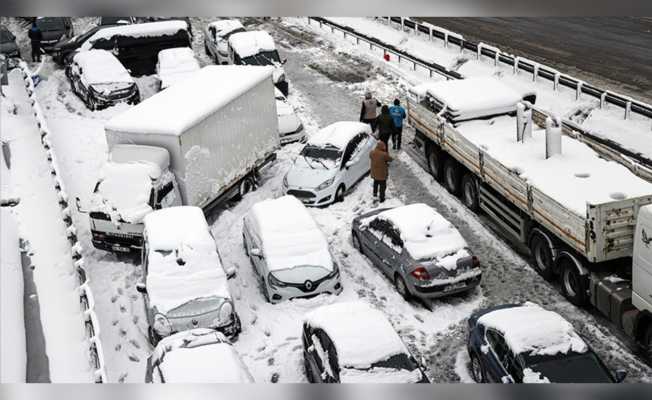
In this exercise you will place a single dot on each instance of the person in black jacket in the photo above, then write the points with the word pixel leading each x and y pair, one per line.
pixel 385 126
pixel 35 36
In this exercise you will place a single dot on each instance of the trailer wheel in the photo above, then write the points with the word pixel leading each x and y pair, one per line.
pixel 574 284
pixel 542 250
pixel 434 162
pixel 452 176
pixel 470 192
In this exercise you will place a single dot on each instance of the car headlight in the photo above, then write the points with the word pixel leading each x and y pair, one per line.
pixel 275 282
pixel 162 325
pixel 326 183
pixel 223 315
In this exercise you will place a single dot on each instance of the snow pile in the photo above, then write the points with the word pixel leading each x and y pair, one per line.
pixel 530 376
pixel 346 324
pixel 530 329
pixel 183 263
pixel 247 44
pixel 200 356
pixel 174 110
pixel 225 26
pixel 137 30
pixel 289 234
pixel 100 67
pixel 175 65
pixel 338 134
pixel 13 362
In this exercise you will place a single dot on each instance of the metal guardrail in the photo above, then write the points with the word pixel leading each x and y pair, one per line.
pixel 86 299
pixel 637 163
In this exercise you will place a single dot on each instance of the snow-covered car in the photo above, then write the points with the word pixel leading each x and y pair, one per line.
pixel 288 251
pixel 8 45
pixel 352 342
pixel 418 249
pixel 290 128
pixel 196 356
pixel 175 65
pixel 184 283
pixel 100 80
pixel 525 343
pixel 332 162
pixel 53 30
pixel 216 37
pixel 110 21
pixel 258 48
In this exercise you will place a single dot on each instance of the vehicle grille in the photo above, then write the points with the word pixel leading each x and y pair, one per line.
pixel 304 194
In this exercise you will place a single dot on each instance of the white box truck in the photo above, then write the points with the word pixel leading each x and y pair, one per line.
pixel 203 140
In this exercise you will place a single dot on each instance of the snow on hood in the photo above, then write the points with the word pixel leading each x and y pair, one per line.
pixel 289 242
pixel 249 43
pixel 101 67
pixel 302 175
pixel 338 134
pixel 175 65
pixel 183 263
pixel 529 328
pixel 145 29
pixel 425 233
pixel 346 323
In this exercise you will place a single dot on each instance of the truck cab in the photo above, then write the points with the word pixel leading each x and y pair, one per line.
pixel 135 181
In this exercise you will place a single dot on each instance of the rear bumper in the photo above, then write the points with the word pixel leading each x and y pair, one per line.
pixel 311 197
pixel 105 102
pixel 446 289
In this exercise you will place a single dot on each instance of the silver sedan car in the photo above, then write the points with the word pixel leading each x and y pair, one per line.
pixel 418 249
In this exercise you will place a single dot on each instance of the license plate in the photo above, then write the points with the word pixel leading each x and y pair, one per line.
pixel 121 249
pixel 454 286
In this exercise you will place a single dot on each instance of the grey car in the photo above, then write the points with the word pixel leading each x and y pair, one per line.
pixel 419 250
pixel 8 45
pixel 54 29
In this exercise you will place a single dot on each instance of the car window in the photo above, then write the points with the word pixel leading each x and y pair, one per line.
pixel 503 352
pixel 326 350
pixel 388 231
pixel 162 193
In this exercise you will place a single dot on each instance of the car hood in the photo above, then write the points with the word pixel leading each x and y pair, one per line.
pixel 301 175
pixel 52 35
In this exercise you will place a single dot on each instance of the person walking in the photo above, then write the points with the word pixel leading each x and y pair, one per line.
pixel 385 126
pixel 35 37
pixel 380 160
pixel 369 111
pixel 398 115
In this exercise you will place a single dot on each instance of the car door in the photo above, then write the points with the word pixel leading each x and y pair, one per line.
pixel 360 158
pixel 390 249
pixel 377 249
pixel 313 355
pixel 497 357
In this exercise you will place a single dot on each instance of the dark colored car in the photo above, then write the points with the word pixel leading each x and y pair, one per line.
pixel 8 45
pixel 524 343
pixel 54 29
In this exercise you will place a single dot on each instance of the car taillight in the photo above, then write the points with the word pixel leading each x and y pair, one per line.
pixel 475 261
pixel 420 273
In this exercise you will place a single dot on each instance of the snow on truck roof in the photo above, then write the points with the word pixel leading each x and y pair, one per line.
pixel 531 329
pixel 101 66
pixel 338 134
pixel 346 322
pixel 177 108
pixel 225 26
pixel 252 42
pixel 144 29
pixel 290 235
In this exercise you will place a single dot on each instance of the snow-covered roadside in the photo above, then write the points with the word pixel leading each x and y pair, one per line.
pixel 41 225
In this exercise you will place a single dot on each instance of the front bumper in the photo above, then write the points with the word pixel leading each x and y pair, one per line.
pixel 295 136
pixel 118 243
pixel 430 290
pixel 312 197
pixel 105 102
pixel 330 286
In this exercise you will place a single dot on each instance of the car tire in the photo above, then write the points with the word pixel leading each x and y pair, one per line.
pixel 401 287
pixel 357 244
pixel 452 176
pixel 308 370
pixel 477 372
pixel 268 298
pixel 91 104
pixel 339 194
pixel 208 53
pixel 153 337
pixel 244 245
pixel 542 252
pixel 470 196
pixel 574 285
pixel 246 185
pixel 434 158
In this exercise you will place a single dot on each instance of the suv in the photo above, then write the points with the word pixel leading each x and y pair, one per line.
pixel 54 29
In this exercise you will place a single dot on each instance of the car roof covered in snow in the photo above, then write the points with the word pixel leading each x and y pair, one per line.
pixel 252 42
pixel 125 153
pixel 177 108
pixel 338 134
pixel 225 26
pixel 426 234
pixel 144 29
pixel 101 66
pixel 183 263
pixel 346 323
pixel 200 356
pixel 533 330
pixel 289 234
pixel 175 65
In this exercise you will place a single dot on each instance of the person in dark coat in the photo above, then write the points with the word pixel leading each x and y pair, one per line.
pixel 35 37
pixel 385 126
pixel 379 169
pixel 369 111
pixel 398 115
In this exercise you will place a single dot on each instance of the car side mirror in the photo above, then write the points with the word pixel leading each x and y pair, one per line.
pixel 256 252
pixel 620 375
pixel 231 272
pixel 141 288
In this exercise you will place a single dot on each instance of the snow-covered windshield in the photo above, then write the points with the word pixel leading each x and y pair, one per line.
pixel 263 58
pixel 571 368
pixel 325 157
pixel 50 24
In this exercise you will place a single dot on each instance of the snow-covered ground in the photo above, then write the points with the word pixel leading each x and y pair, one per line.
pixel 327 82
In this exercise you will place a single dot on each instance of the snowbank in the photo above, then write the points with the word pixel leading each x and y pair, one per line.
pixel 531 329
pixel 247 44
pixel 175 65
pixel 137 30
pixel 338 134
pixel 101 66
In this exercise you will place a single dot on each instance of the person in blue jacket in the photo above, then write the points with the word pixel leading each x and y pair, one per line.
pixel 398 114
pixel 35 37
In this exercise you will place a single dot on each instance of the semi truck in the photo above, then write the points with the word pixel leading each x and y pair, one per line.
pixel 586 220
pixel 197 143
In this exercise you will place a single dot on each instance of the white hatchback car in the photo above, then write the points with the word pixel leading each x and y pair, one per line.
pixel 332 162
pixel 288 251
pixel 175 65
pixel 216 39
pixel 290 128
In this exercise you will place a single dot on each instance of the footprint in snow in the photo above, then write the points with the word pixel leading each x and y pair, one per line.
pixel 297 347
pixel 114 322
pixel 134 319
pixel 267 332
pixel 114 298
pixel 123 309
pixel 290 338
pixel 253 320
pixel 118 347
pixel 274 378
pixel 270 361
pixel 122 332
pixel 418 318
pixel 134 343
pixel 122 377
pixel 120 291
pixel 134 358
pixel 261 349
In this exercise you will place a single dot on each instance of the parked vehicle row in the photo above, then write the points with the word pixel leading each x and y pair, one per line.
pixel 8 45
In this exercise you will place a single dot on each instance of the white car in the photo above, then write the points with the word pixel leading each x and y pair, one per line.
pixel 216 37
pixel 288 251
pixel 290 128
pixel 332 162
pixel 196 356
pixel 175 65
pixel 184 280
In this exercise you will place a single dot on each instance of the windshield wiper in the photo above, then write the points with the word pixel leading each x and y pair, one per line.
pixel 321 162
pixel 308 162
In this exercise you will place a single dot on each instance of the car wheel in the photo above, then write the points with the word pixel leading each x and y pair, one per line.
pixel 206 49
pixel 339 194
pixel 308 370
pixel 91 104
pixel 452 176
pixel 268 298
pixel 401 287
pixel 477 372
pixel 574 285
pixel 244 245
pixel 153 337
pixel 246 185
pixel 540 248
pixel 356 242
pixel 470 192
pixel 434 163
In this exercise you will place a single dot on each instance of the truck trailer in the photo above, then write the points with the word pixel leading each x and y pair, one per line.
pixel 586 219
